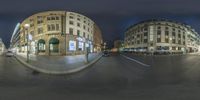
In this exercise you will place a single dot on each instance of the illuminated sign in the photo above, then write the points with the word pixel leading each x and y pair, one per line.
pixel 86 45
pixel 72 45
pixel 80 46
pixel 80 39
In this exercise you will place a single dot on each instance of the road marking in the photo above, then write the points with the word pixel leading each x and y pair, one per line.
pixel 135 61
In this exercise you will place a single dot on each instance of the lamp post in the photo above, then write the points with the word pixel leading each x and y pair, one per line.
pixel 170 45
pixel 26 26
pixel 104 46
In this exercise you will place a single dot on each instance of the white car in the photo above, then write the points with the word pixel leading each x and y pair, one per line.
pixel 9 54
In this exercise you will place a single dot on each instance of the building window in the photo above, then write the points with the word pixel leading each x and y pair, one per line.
pixel 138 41
pixel 57 18
pixel 78 24
pixel 40 30
pixel 159 28
pixel 183 36
pixel 49 27
pixel 166 40
pixel 53 27
pixel 41 46
pixel 138 36
pixel 166 28
pixel 167 33
pixel 71 31
pixel 78 32
pixel 83 34
pixel 158 40
pixel 145 40
pixel 57 27
pixel 174 41
pixel 179 35
pixel 84 27
pixel 48 18
pixel 53 18
pixel 173 34
pixel 71 17
pixel 145 33
pixel 39 22
pixel 78 19
pixel 158 32
pixel 71 22
pixel 145 28
pixel 183 42
pixel 179 41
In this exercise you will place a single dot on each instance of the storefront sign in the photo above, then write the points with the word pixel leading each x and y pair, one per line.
pixel 72 45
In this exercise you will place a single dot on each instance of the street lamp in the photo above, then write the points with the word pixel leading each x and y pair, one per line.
pixel 26 26
pixel 170 45
pixel 104 45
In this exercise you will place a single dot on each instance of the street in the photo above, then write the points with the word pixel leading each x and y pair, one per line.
pixel 111 78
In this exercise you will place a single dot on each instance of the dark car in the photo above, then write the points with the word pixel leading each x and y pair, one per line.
pixel 106 54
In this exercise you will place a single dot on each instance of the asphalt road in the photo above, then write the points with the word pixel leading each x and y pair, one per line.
pixel 111 78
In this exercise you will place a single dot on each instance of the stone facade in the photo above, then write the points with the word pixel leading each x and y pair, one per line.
pixel 161 36
pixel 2 47
pixel 59 33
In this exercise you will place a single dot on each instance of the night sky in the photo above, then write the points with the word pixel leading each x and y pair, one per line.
pixel 112 16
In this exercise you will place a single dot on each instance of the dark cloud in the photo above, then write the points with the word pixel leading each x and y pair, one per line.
pixel 113 16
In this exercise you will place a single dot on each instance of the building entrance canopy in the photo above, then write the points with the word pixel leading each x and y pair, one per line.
pixel 54 41
pixel 41 41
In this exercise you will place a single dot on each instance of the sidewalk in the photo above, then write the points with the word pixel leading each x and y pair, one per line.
pixel 58 64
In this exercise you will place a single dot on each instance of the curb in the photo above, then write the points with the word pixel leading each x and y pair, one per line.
pixel 58 72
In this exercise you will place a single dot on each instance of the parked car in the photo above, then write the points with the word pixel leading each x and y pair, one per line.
pixel 106 54
pixel 9 54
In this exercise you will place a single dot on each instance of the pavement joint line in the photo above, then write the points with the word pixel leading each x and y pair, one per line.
pixel 135 60
pixel 59 72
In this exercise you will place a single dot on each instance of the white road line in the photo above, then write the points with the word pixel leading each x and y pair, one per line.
pixel 135 61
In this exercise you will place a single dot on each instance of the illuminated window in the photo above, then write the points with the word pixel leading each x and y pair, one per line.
pixel 72 45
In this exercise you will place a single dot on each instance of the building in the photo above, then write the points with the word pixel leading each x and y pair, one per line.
pixel 15 39
pixel 161 36
pixel 118 46
pixel 118 43
pixel 57 33
pixel 2 47
pixel 98 41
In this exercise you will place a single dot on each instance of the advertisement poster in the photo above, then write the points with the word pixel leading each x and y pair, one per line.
pixel 72 45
